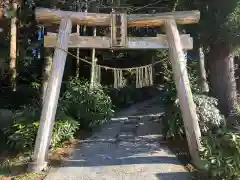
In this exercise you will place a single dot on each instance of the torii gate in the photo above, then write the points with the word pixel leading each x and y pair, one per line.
pixel 119 22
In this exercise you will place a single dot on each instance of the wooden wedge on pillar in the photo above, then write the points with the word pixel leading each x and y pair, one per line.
pixel 51 99
pixel 187 105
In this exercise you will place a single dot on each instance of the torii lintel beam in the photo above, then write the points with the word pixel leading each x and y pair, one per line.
pixel 50 16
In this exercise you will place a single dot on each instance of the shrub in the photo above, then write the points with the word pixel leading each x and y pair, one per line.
pixel 209 116
pixel 64 130
pixel 22 134
pixel 88 106
pixel 207 111
pixel 221 155
pixel 172 121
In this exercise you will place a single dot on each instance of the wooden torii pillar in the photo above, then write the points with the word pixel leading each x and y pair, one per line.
pixel 172 40
pixel 184 92
pixel 51 99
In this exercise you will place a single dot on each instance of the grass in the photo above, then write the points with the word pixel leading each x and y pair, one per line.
pixel 13 167
pixel 31 176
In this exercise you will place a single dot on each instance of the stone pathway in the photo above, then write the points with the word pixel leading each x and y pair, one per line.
pixel 128 148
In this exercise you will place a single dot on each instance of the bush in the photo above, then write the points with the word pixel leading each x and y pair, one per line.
pixel 221 155
pixel 207 107
pixel 208 113
pixel 209 116
pixel 172 121
pixel 90 107
pixel 22 134
pixel 64 130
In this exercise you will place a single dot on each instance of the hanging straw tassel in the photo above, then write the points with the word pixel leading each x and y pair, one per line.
pixel 122 83
pixel 118 78
pixel 148 75
pixel 141 77
pixel 144 76
pixel 137 78
pixel 115 78
pixel 151 74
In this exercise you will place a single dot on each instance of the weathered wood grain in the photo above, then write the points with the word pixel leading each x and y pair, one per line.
pixel 181 17
pixel 118 31
pixel 187 106
pixel 51 99
pixel 49 16
pixel 98 42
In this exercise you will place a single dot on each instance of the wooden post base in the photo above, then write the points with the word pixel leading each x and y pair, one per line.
pixel 37 166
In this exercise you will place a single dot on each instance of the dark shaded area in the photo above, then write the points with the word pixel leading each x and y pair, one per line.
pixel 179 147
pixel 175 176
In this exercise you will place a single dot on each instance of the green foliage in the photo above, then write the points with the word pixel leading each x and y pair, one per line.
pixel 78 105
pixel 173 124
pixel 22 134
pixel 219 22
pixel 64 130
pixel 209 115
pixel 88 106
pixel 169 87
pixel 207 107
pixel 221 155
pixel 172 121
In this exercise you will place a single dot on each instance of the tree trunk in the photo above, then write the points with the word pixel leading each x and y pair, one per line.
pixel 203 76
pixel 46 71
pixel 222 80
pixel 13 50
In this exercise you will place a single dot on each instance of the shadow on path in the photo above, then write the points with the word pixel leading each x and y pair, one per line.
pixel 175 176
pixel 127 148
